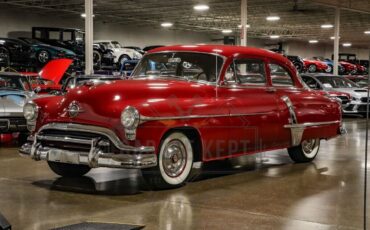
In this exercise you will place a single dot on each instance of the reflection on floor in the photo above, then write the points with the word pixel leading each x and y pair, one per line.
pixel 271 193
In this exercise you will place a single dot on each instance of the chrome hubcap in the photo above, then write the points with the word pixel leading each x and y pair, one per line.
pixel 174 158
pixel 43 56
pixel 309 146
pixel 312 68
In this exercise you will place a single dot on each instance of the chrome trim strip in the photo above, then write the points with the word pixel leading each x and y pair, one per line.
pixel 97 130
pixel 146 119
pixel 289 104
pixel 63 139
pixel 311 124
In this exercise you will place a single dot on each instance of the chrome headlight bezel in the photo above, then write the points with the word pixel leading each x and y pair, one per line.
pixel 130 118
pixel 30 111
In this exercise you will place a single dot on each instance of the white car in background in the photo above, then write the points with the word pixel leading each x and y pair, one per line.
pixel 121 54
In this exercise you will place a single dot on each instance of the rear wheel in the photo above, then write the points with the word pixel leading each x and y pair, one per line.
pixel 175 161
pixel 305 152
pixel 68 170
pixel 329 69
pixel 97 58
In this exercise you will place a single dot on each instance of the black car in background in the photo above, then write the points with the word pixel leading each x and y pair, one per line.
pixel 297 62
pixel 73 39
pixel 26 52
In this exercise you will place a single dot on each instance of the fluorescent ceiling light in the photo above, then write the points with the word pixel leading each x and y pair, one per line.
pixel 272 18
pixel 227 31
pixel 84 15
pixel 367 32
pixel 248 26
pixel 274 36
pixel 327 26
pixel 347 44
pixel 166 24
pixel 332 37
pixel 201 7
pixel 313 41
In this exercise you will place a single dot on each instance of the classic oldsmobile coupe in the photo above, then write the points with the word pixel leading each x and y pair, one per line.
pixel 183 105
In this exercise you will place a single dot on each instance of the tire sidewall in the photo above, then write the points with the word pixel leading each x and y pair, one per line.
pixel 181 179
pixel 314 152
pixel 312 68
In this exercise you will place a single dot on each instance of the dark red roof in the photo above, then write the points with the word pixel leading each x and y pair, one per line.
pixel 224 50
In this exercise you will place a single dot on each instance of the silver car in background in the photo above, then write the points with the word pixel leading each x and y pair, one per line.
pixel 15 90
pixel 327 82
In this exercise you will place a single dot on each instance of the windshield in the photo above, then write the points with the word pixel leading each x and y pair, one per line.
pixel 181 65
pixel 336 82
pixel 116 44
pixel 14 83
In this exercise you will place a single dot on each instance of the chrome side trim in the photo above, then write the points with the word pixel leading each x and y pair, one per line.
pixel 97 130
pixel 146 119
pixel 311 124
pixel 289 104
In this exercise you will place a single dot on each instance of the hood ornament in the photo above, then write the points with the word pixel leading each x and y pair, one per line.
pixel 74 109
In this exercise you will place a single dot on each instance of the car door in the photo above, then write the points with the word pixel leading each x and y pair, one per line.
pixel 252 106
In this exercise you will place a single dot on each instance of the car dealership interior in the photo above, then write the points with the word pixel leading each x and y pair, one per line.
pixel 184 114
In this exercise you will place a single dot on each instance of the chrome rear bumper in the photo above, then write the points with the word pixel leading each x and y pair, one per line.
pixel 128 156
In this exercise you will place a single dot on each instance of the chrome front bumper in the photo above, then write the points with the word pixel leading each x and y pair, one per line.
pixel 129 156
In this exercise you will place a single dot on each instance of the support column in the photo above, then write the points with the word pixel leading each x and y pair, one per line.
pixel 89 33
pixel 243 29
pixel 336 40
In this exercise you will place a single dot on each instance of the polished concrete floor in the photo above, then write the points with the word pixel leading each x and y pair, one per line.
pixel 277 194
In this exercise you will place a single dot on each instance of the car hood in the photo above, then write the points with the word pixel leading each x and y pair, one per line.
pixel 109 99
pixel 12 102
pixel 54 70
pixel 354 92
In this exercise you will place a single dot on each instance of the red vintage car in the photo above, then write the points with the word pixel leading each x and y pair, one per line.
pixel 183 105
pixel 313 66
pixel 50 77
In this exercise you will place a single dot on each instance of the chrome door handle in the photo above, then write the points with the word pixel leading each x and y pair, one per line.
pixel 270 89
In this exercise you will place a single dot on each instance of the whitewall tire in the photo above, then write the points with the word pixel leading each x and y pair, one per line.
pixel 305 152
pixel 175 161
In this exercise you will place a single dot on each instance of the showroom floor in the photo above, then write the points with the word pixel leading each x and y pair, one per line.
pixel 326 194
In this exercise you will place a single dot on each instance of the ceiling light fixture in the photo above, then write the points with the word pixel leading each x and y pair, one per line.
pixel 347 44
pixel 166 24
pixel 313 41
pixel 227 31
pixel 84 15
pixel 332 37
pixel 247 26
pixel 367 32
pixel 274 36
pixel 272 18
pixel 327 26
pixel 201 7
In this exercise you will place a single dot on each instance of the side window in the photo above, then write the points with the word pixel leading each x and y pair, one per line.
pixel 37 34
pixel 280 76
pixel 67 36
pixel 246 72
pixel 54 35
pixel 311 83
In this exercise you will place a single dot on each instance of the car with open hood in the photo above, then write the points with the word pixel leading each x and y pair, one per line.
pixel 327 82
pixel 183 105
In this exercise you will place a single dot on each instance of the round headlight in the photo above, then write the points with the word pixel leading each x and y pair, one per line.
pixel 130 117
pixel 30 111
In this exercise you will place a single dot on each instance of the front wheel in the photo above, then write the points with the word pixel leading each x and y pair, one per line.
pixel 175 161
pixel 305 152
pixel 68 170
